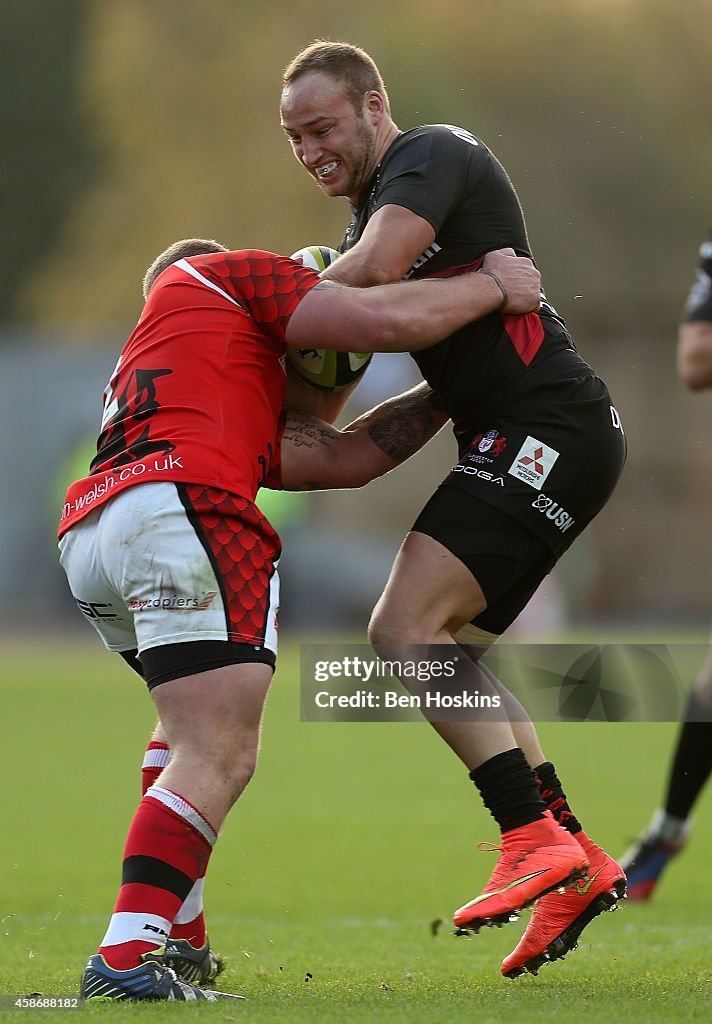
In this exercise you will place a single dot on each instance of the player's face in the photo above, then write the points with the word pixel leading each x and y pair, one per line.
pixel 335 142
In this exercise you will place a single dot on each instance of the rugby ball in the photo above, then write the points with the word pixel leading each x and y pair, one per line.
pixel 322 368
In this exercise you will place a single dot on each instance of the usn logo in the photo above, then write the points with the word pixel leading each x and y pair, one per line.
pixel 533 463
pixel 553 510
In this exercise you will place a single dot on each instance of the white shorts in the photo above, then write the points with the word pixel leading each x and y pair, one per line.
pixel 170 563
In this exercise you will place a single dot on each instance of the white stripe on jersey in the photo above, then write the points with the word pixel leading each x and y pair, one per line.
pixel 184 265
pixel 431 251
pixel 181 807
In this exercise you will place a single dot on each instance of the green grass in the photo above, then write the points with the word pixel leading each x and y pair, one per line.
pixel 350 841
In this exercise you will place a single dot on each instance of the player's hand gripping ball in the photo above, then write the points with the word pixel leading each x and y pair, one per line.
pixel 320 367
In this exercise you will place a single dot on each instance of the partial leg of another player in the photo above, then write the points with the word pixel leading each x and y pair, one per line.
pixel 429 596
pixel 690 769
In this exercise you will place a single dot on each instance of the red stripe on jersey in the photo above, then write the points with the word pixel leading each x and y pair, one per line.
pixel 465 268
pixel 526 333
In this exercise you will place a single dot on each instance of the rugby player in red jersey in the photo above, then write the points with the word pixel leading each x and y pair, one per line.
pixel 174 565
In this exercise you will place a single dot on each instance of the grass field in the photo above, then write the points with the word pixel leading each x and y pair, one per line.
pixel 350 841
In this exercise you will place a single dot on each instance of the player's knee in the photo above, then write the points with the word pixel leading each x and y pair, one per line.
pixel 385 629
pixel 242 773
pixel 377 629
pixel 228 770
pixel 234 772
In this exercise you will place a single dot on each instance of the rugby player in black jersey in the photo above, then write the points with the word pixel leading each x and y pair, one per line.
pixel 541 448
pixel 691 765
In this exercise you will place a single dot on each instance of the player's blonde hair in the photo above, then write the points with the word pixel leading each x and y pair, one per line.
pixel 178 251
pixel 348 64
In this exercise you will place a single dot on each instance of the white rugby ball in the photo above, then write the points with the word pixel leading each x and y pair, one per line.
pixel 320 367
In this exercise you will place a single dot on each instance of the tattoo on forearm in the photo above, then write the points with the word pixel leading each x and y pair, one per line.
pixel 320 456
pixel 405 426
pixel 306 432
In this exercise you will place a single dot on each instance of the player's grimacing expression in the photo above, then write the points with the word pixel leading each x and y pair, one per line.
pixel 335 142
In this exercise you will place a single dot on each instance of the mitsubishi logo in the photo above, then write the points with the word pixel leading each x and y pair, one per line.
pixel 538 455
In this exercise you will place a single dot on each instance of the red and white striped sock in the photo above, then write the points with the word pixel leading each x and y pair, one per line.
pixel 167 851
pixel 155 760
pixel 190 920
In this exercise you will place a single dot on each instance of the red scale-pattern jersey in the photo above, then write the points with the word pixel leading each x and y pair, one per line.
pixel 197 392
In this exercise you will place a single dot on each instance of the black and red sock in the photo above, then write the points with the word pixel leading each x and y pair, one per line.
pixel 552 793
pixel 509 790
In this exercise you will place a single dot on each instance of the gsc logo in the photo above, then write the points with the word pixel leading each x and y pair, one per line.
pixel 95 610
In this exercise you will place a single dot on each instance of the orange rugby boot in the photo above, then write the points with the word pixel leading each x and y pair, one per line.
pixel 535 859
pixel 559 918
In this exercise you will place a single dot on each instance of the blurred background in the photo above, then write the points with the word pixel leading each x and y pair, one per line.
pixel 127 125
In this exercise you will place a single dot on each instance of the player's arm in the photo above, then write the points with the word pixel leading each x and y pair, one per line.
pixel 694 354
pixel 694 335
pixel 392 241
pixel 317 456
pixel 410 315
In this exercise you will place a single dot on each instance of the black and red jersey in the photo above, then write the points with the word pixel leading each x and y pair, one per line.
pixel 449 177
pixel 197 392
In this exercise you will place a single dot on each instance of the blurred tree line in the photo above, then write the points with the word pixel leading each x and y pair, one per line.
pixel 130 123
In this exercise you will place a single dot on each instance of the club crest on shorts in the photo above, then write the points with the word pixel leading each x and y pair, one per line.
pixel 490 441
pixel 533 462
